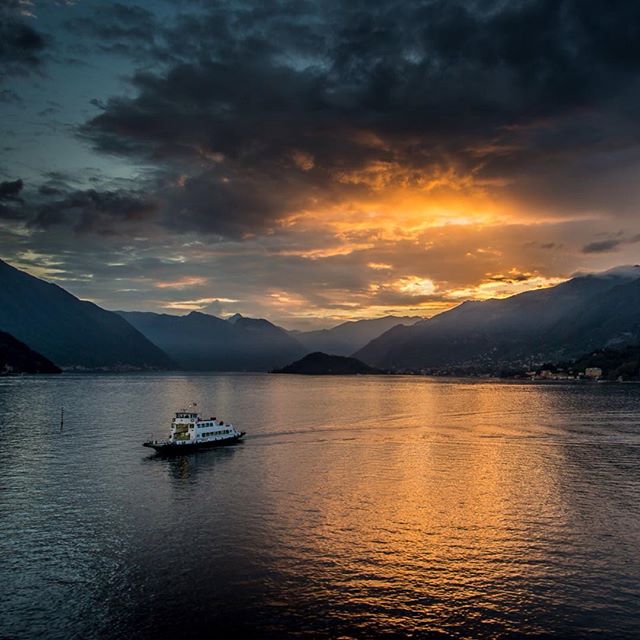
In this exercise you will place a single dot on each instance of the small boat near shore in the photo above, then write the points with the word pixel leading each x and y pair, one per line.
pixel 191 432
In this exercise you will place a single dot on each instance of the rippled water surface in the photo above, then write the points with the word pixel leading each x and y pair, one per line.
pixel 357 507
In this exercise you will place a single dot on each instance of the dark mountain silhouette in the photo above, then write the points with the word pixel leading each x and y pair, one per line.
pixel 199 341
pixel 556 323
pixel 348 337
pixel 17 357
pixel 324 364
pixel 72 333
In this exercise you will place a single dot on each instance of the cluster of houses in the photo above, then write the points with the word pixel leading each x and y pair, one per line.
pixel 590 373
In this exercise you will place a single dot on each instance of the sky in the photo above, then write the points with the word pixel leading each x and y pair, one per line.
pixel 315 162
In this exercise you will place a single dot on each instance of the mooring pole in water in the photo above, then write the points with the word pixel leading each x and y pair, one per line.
pixel 61 418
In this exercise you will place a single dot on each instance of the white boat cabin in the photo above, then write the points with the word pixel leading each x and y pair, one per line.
pixel 189 426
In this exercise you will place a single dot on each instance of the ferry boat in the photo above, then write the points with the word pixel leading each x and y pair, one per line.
pixel 190 431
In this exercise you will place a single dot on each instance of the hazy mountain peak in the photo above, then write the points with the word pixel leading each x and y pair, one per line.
pixel 624 271
pixel 202 315
pixel 234 318
pixel 352 335
pixel 199 341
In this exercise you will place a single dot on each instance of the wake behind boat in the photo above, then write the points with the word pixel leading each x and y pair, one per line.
pixel 189 432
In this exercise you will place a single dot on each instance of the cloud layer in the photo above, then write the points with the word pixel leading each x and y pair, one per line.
pixel 471 148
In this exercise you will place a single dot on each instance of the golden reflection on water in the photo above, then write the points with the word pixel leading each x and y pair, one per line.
pixel 404 505
pixel 357 507
pixel 413 519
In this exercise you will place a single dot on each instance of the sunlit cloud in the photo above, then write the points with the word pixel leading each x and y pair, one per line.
pixel 497 287
pixel 303 160
pixel 327 252
pixel 196 305
pixel 416 286
pixel 181 283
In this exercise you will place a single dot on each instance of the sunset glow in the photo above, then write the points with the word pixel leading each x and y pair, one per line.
pixel 404 195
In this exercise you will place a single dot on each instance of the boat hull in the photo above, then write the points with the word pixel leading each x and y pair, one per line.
pixel 173 448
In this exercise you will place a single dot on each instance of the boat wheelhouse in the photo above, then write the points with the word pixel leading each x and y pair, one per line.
pixel 189 430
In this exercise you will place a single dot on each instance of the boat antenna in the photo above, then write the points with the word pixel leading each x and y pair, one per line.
pixel 61 418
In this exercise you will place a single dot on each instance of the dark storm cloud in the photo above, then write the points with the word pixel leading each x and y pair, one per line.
pixel 91 211
pixel 8 96
pixel 21 46
pixel 533 93
pixel 206 200
pixel 47 190
pixel 10 200
pixel 10 190
pixel 609 245
pixel 511 277
pixel 602 246
pixel 86 211
pixel 118 28
pixel 543 245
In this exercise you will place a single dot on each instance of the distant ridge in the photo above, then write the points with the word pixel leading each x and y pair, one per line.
pixel 73 333
pixel 319 363
pixel 348 337
pixel 202 342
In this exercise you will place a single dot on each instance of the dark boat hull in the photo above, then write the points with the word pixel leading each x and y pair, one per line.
pixel 172 448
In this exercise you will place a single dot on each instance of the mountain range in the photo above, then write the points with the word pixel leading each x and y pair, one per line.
pixel 556 323
pixel 559 323
pixel 80 335
pixel 202 342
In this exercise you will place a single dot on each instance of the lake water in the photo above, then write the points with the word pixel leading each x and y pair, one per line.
pixel 357 507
